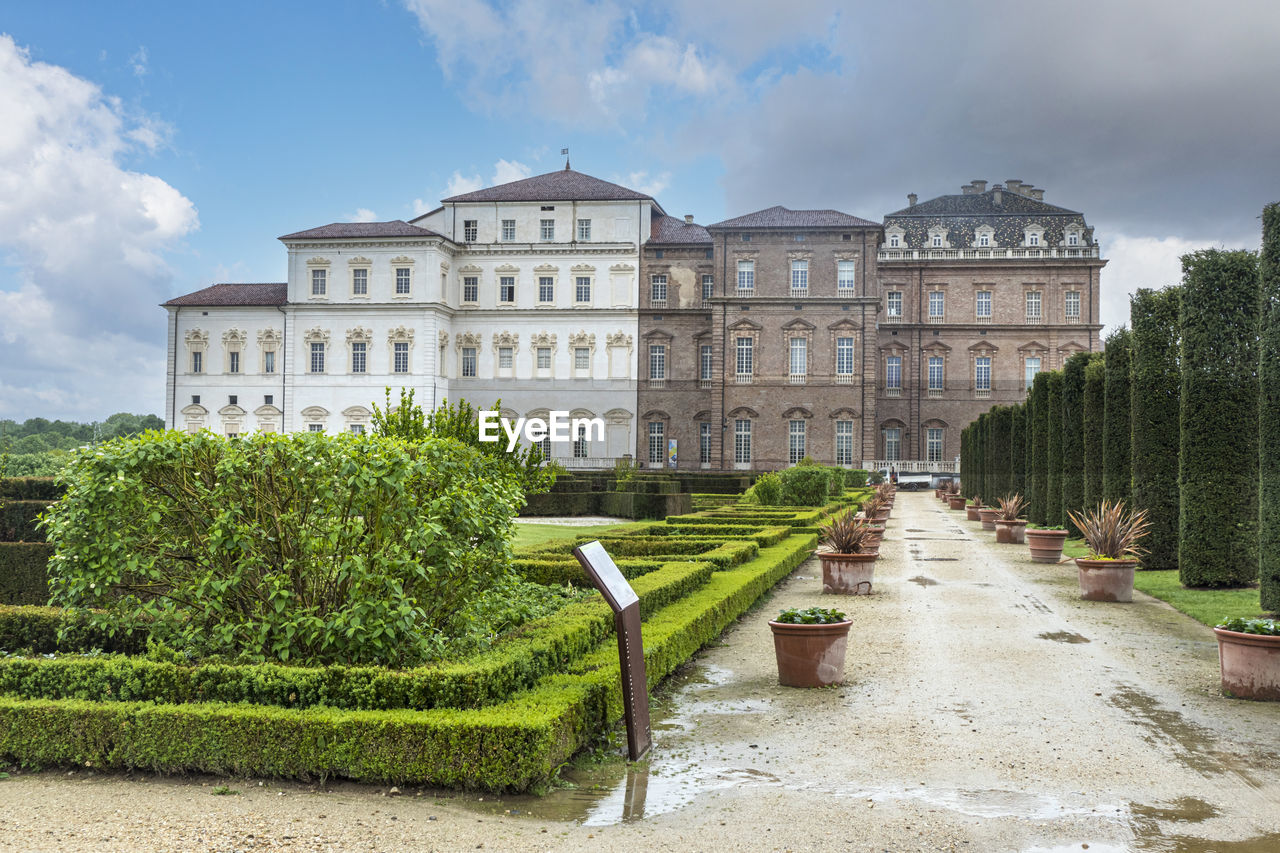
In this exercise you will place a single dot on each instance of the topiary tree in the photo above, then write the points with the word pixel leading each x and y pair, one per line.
pixel 1269 403
pixel 1218 425
pixel 1002 430
pixel 1095 386
pixel 1053 451
pixel 1037 510
pixel 1073 437
pixel 1116 476
pixel 1018 449
pixel 1154 419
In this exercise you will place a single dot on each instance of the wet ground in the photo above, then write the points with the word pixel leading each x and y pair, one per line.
pixel 985 707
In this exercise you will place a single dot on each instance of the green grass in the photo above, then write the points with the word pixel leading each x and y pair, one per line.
pixel 537 534
pixel 1074 548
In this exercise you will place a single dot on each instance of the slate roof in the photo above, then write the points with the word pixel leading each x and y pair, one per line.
pixel 983 204
pixel 961 216
pixel 339 230
pixel 781 217
pixel 675 231
pixel 561 185
pixel 269 293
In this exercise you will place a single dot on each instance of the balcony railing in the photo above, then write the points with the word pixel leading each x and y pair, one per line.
pixel 658 303
pixel 935 392
pixel 743 378
pixel 1034 320
pixel 983 319
pixel 658 383
pixel 892 318
pixel 584 462
pixel 937 318
pixel 1013 253
pixel 797 378
pixel 982 393
pixel 706 383
pixel 799 292
pixel 893 392
pixel 912 466
pixel 1073 318
pixel 846 291
pixel 844 378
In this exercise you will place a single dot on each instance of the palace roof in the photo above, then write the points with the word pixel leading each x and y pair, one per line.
pixel 782 217
pixel 561 185
pixel 676 231
pixel 235 294
pixel 347 230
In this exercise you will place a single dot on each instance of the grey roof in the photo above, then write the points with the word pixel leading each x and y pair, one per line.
pixel 961 215
pixel 337 230
pixel 673 230
pixel 268 293
pixel 561 185
pixel 983 204
pixel 781 217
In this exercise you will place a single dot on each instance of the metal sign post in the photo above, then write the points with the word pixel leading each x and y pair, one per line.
pixel 625 604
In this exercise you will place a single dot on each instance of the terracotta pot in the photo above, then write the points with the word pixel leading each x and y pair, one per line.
pixel 848 574
pixel 1046 545
pixel 1011 532
pixel 955 502
pixel 987 515
pixel 937 493
pixel 883 515
pixel 1250 665
pixel 1106 580
pixel 971 512
pixel 810 655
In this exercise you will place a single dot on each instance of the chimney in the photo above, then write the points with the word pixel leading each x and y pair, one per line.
pixel 911 199
pixel 997 197
pixel 969 189
pixel 1038 195
pixel 1014 185
pixel 980 186
pixel 688 219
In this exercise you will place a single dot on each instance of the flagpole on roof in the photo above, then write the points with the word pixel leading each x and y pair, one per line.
pixel 565 152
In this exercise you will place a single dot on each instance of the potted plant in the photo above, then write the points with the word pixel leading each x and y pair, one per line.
pixel 848 551
pixel 1045 543
pixel 955 500
pixel 809 645
pixel 987 515
pixel 972 509
pixel 1249 655
pixel 1112 534
pixel 875 509
pixel 1010 529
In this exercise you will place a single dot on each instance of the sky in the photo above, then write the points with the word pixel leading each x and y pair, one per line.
pixel 150 149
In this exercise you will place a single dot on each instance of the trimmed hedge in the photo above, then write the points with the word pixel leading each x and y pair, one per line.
pixel 45 489
pixel 1154 418
pixel 1037 510
pixel 1018 449
pixel 1218 427
pixel 1053 451
pixel 1073 437
pixel 567 570
pixel 1095 373
pixel 37 629
pixel 19 520
pixel 1269 402
pixel 24 572
pixel 807 485
pixel 1117 478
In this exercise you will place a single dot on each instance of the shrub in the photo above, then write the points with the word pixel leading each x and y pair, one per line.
pixel 1037 511
pixel 804 486
pixel 45 489
pixel 875 478
pixel 1018 448
pixel 299 547
pixel 1218 426
pixel 1111 531
pixel 1094 414
pixel 18 520
pixel 1117 482
pixel 1154 418
pixel 1269 403
pixel 1053 451
pixel 767 490
pixel 855 478
pixel 835 482
pixel 810 616
pixel 847 535
pixel 24 572
pixel 1073 434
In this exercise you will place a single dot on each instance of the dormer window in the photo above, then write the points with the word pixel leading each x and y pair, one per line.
pixel 1073 239
pixel 938 238
pixel 937 241
pixel 1033 239
pixel 1033 235
pixel 984 239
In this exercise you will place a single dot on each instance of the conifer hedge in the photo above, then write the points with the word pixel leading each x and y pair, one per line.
pixel 1018 449
pixel 1116 477
pixel 1218 462
pixel 1037 511
pixel 1001 439
pixel 1269 402
pixel 1094 417
pixel 1073 437
pixel 1053 452
pixel 1154 419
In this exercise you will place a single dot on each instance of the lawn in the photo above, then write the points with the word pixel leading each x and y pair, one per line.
pixel 537 534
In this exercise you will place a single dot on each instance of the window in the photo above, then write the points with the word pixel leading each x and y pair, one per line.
pixel 982 374
pixel 795 441
pixel 658 361
pixel 894 304
pixel 547 229
pixel 359 282
pixel 317 357
pixel 403 281
pixel 844 442
pixel 1031 367
pixel 582 289
pixel 1073 239
pixel 233 361
pixel 1033 239
pixel 315 427
pixel 1033 306
pixel 506 358
pixel 470 288
pixel 746 276
pixel 545 447
pixel 657 443
pixel 894 241
pixel 799 357
pixel 704 443
pixel 508 230
pixel 984 304
pixel 704 363
pixel 319 282
pixel 507 288
pixel 584 229
pixel 357 429
pixel 659 289
pixel 893 375
pixel 469 361
pixel 746 238
pixel 359 356
pixel 233 399
pixel 933 444
pixel 197 361
pixel 580 448
pixel 742 441
pixel 844 356
pixel 744 362
pixel 936 241
pixel 935 374
pixel 984 239
pixel 708 287
pixel 893 444
pixel 1072 306
pixel 269 361
pixel 799 275
pixel 267 398
pixel 846 275
pixel 544 358
pixel 582 358
pixel 937 305
pixel 546 288
pixel 469 230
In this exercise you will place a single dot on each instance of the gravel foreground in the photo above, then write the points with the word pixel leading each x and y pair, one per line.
pixel 985 708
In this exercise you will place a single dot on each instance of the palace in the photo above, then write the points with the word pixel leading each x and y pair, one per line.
pixel 746 344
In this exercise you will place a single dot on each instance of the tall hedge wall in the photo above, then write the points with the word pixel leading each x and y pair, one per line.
pixel 991 458
pixel 1053 451
pixel 1002 437
pixel 1037 512
pixel 1018 449
pixel 1073 437
pixel 1269 402
pixel 1154 420
pixel 1095 381
pixel 1116 476
pixel 1218 461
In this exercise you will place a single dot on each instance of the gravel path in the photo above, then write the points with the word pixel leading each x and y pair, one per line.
pixel 986 708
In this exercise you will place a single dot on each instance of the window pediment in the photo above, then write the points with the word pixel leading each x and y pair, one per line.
pixel 1032 346
pixel 402 260
pixel 744 412
pixel 359 262
pixel 797 412
pixel 657 334
pixel 582 338
pixel 467 339
pixel 983 348
pixel 799 325
pixel 745 325
pixel 506 339
pixel 655 415
pixel 844 414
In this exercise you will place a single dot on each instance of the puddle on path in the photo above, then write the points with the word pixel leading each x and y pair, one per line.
pixel 923 581
pixel 1063 637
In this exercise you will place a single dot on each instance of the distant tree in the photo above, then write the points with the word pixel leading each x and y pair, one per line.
pixel 1095 391
pixel 1116 476
pixel 1037 511
pixel 1018 449
pixel 1073 437
pixel 1154 418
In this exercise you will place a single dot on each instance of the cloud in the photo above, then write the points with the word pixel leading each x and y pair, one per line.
pixel 504 172
pixel 362 214
pixel 138 63
pixel 85 240
pixel 642 182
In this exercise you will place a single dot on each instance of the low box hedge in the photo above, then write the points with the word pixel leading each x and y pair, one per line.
pixel 36 629
pixel 18 520
pixel 556 570
pixel 24 572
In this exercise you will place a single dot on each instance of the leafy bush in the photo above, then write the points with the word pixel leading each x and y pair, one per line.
pixel 807 486
pixel 302 547
pixel 875 478
pixel 855 478
pixel 1111 531
pixel 767 490
pixel 1266 627
pixel 811 616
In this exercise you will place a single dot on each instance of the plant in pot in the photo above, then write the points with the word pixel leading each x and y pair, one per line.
pixel 955 499
pixel 987 515
pixel 875 509
pixel 1112 533
pixel 848 550
pixel 1249 656
pixel 1045 542
pixel 975 504
pixel 943 489
pixel 809 645
pixel 1010 529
